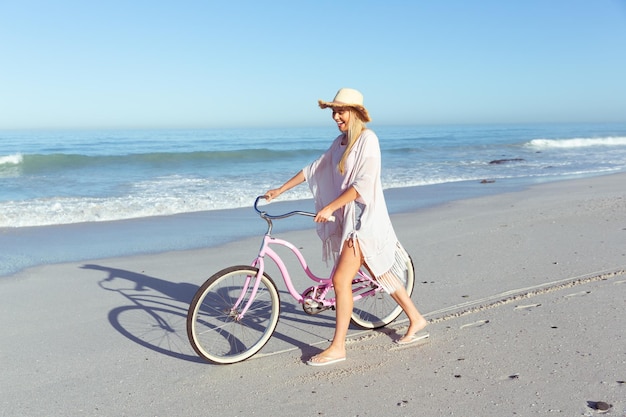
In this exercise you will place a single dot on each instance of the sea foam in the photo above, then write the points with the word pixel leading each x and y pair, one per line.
pixel 15 159
pixel 577 142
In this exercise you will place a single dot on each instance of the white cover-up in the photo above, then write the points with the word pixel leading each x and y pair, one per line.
pixel 381 250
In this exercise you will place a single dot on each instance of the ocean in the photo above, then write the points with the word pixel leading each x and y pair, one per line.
pixel 54 178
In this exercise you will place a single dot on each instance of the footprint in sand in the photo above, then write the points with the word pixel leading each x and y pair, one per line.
pixel 475 324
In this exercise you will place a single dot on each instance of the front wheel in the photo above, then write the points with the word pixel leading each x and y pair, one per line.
pixel 214 329
pixel 380 309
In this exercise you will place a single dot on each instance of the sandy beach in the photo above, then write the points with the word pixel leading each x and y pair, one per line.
pixel 525 292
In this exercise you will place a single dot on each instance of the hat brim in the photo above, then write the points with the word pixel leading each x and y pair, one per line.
pixel 360 110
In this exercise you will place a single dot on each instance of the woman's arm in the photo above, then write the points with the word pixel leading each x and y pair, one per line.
pixel 295 180
pixel 350 194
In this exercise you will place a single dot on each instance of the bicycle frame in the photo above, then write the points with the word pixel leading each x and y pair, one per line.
pixel 362 280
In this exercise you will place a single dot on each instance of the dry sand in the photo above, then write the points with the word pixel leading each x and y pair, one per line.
pixel 525 292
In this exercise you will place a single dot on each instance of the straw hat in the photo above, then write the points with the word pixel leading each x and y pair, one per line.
pixel 348 97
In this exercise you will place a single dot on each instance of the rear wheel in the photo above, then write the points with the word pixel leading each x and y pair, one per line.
pixel 213 327
pixel 381 309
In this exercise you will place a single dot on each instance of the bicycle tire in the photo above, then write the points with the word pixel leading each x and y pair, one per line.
pixel 212 329
pixel 381 309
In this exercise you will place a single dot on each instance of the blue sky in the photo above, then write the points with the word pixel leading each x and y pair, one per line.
pixel 190 64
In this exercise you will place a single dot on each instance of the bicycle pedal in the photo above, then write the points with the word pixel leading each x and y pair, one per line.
pixel 311 306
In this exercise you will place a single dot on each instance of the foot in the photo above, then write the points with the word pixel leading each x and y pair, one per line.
pixel 414 327
pixel 328 357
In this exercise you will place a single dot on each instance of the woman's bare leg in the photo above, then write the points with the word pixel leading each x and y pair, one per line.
pixel 416 321
pixel 347 266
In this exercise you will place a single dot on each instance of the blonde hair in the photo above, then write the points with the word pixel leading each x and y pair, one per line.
pixel 355 128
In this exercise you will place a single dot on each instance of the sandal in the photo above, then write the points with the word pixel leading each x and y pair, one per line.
pixel 321 360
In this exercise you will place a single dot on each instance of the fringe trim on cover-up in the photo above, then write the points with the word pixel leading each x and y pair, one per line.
pixel 396 277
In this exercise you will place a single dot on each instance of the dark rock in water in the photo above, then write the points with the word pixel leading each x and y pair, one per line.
pixel 487 181
pixel 504 161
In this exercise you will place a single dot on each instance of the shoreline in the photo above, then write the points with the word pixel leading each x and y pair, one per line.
pixel 27 247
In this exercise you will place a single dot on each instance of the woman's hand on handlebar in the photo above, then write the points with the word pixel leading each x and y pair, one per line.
pixel 272 194
pixel 324 215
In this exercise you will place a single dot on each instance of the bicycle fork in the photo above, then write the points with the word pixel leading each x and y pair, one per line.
pixel 238 316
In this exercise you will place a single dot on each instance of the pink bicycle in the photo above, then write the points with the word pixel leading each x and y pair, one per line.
pixel 234 313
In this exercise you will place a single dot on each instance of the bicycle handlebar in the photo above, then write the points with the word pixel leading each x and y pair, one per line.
pixel 265 215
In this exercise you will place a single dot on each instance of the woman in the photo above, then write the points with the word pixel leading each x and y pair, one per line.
pixel 346 184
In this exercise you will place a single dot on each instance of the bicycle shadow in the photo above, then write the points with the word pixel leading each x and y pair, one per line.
pixel 155 316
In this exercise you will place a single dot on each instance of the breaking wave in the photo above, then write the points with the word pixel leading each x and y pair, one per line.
pixel 577 142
